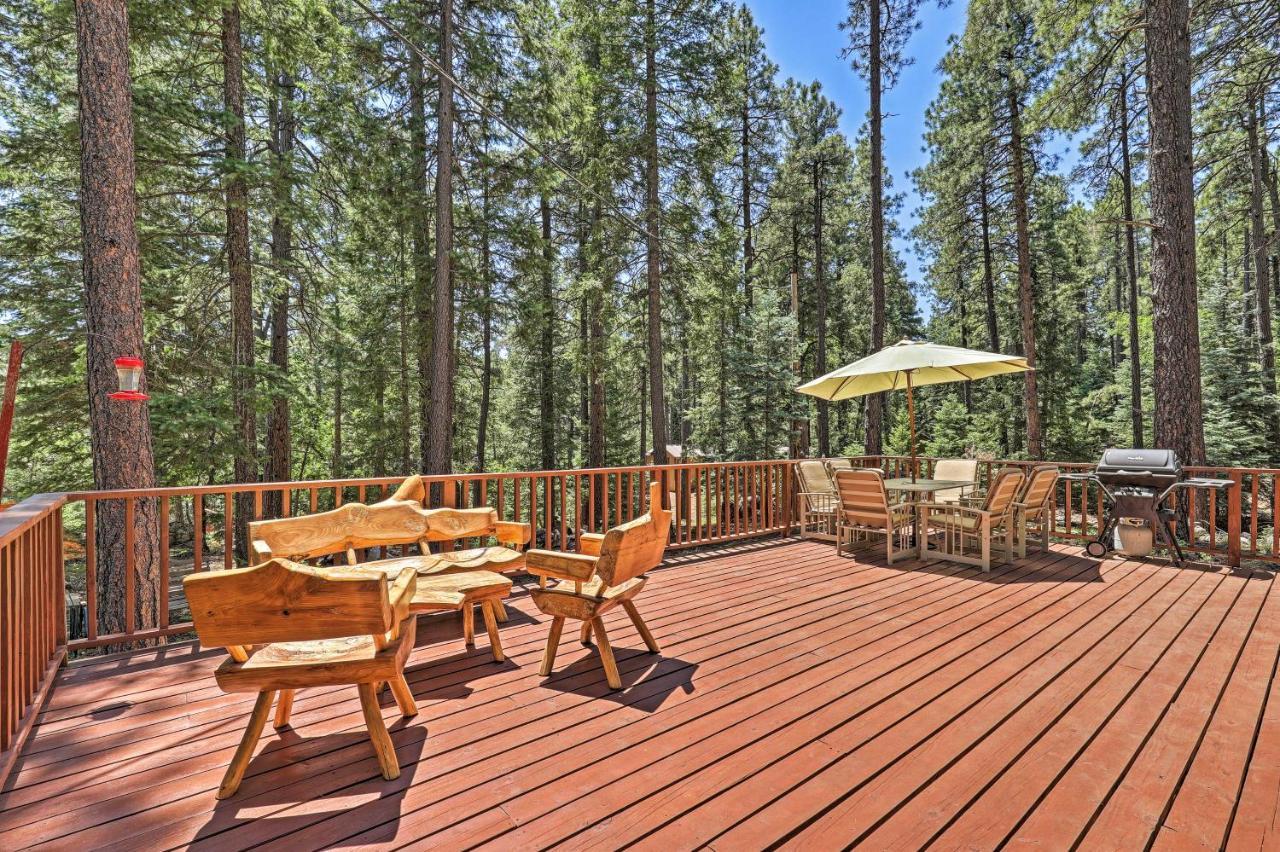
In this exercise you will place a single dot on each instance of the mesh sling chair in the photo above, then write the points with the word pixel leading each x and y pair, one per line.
pixel 864 509
pixel 959 470
pixel 1034 503
pixel 288 626
pixel 818 501
pixel 609 574
pixel 966 534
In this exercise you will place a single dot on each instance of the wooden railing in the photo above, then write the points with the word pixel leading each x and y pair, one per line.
pixel 196 528
pixel 33 627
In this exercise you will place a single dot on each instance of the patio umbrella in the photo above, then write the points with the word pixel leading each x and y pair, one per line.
pixel 908 364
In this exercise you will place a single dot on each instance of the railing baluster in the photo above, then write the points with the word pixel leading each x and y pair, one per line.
pixel 197 528
pixel 91 567
pixel 130 568
pixel 164 562
pixel 228 531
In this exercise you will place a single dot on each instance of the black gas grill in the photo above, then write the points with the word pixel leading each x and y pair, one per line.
pixel 1135 484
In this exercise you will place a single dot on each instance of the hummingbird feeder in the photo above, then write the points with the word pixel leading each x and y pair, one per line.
pixel 129 377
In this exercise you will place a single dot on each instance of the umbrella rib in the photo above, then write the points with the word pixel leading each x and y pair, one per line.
pixel 967 377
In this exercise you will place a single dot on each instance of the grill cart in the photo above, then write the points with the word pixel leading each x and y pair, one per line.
pixel 1135 485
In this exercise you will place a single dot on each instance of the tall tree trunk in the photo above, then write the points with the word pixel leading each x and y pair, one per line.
pixel 546 328
pixel 422 292
pixel 820 285
pixel 1026 296
pixel 1257 203
pixel 874 441
pixel 440 415
pixel 119 432
pixel 406 405
pixel 799 443
pixel 337 466
pixel 240 272
pixel 988 266
pixel 279 441
pixel 1179 414
pixel 963 300
pixel 486 330
pixel 1248 312
pixel 653 245
pixel 1119 283
pixel 1131 268
pixel 595 365
pixel 748 247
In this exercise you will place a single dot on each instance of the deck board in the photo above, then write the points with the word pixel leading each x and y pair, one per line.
pixel 800 699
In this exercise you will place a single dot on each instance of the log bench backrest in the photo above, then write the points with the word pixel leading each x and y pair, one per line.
pixel 283 601
pixel 352 526
pixel 637 546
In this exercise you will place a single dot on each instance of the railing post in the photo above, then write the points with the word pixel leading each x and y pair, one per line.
pixel 1234 517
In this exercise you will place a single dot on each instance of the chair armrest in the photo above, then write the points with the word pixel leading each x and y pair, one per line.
pixel 561 566
pixel 261 551
pixel 402 590
pixel 513 532
pixel 590 543
pixel 951 509
pixel 905 504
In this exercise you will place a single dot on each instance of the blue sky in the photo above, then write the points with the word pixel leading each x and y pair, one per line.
pixel 804 39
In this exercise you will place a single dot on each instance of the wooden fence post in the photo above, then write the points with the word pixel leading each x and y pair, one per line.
pixel 1234 519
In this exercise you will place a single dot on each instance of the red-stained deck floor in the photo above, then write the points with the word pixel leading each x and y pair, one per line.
pixel 800 699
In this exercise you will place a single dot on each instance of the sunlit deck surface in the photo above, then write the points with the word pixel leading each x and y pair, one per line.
pixel 800 698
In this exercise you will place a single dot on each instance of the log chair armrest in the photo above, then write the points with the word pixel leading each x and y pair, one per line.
pixel 561 566
pixel 590 543
pixel 401 591
pixel 515 533
pixel 261 551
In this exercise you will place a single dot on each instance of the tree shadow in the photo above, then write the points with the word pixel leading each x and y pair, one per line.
pixel 268 800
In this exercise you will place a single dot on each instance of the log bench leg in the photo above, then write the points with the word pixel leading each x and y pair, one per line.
pixel 404 696
pixel 244 751
pixel 606 654
pixel 553 641
pixel 490 611
pixel 284 706
pixel 641 627
pixel 500 609
pixel 468 624
pixel 585 637
pixel 378 735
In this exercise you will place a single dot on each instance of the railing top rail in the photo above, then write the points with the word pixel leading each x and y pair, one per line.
pixel 20 517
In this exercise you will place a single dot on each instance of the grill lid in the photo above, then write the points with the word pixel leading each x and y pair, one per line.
pixel 1140 468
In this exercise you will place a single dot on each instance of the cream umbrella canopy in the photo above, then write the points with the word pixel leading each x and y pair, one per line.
pixel 909 364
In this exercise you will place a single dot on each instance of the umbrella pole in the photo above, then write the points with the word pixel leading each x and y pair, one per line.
pixel 911 416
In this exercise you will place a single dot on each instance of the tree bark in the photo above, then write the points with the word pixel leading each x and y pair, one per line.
pixel 820 285
pixel 653 244
pixel 546 329
pixel 595 365
pixel 1179 414
pixel 1026 296
pixel 1262 271
pixel 240 271
pixel 486 328
pixel 748 247
pixel 988 266
pixel 1131 269
pixel 279 441
pixel 119 432
pixel 874 441
pixel 439 416
pixel 1248 313
pixel 422 292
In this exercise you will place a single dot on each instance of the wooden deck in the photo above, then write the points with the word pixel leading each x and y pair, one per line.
pixel 801 699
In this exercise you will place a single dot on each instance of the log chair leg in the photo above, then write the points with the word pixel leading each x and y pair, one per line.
pixel 553 641
pixel 404 696
pixel 378 735
pixel 500 610
pixel 489 609
pixel 244 751
pixel 606 654
pixel 641 627
pixel 284 706
pixel 585 636
pixel 468 624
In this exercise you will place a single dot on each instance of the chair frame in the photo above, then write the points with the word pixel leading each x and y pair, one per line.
pixel 893 528
pixel 948 521
pixel 251 611
pixel 610 571
pixel 818 509
pixel 1027 512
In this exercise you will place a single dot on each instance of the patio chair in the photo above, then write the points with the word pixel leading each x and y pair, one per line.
pixel 609 573
pixel 838 464
pixel 287 626
pixel 864 509
pixel 818 501
pixel 959 470
pixel 965 533
pixel 1034 503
